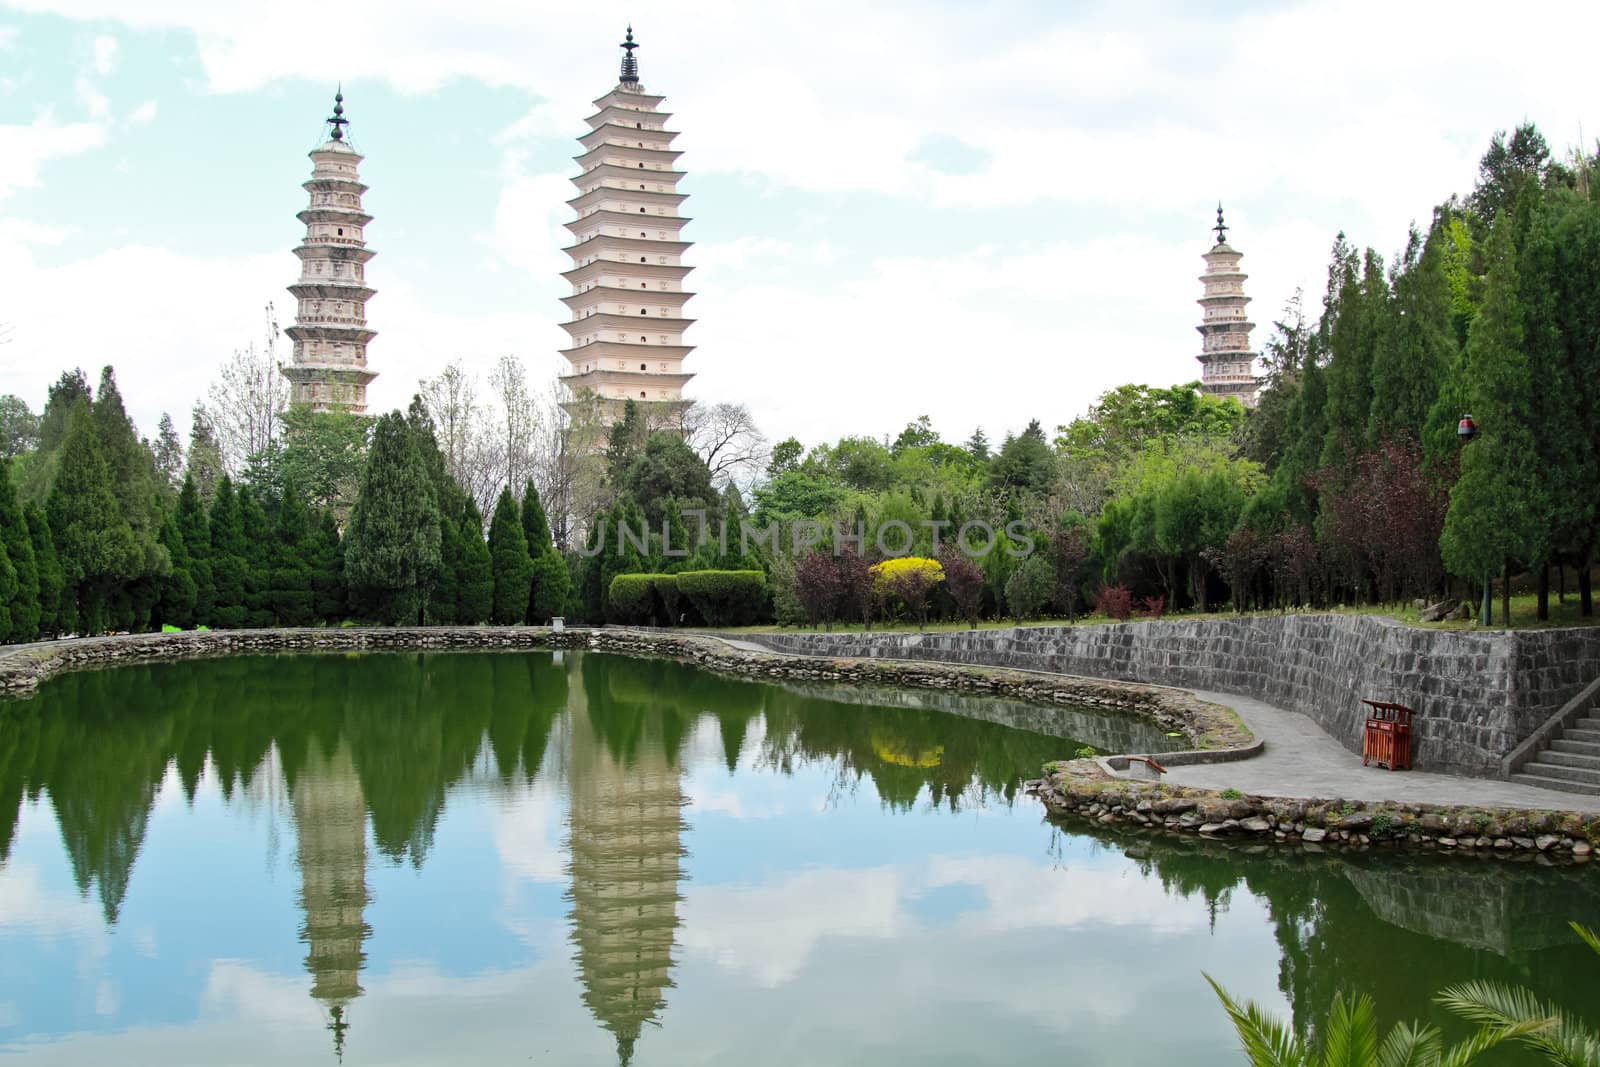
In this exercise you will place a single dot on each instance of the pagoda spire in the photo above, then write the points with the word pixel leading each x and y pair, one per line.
pixel 1227 365
pixel 626 317
pixel 329 369
pixel 337 119
pixel 630 65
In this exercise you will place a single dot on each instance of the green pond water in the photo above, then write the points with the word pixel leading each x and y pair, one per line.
pixel 586 859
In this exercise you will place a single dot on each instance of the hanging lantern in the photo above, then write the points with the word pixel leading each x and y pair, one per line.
pixel 1466 429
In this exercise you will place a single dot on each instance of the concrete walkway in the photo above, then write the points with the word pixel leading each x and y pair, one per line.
pixel 1301 760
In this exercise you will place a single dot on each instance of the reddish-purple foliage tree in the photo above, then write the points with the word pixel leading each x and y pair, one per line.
pixel 818 587
pixel 1295 561
pixel 1385 514
pixel 1114 602
pixel 1154 607
pixel 855 586
pixel 964 579
pixel 914 586
pixel 1240 560
pixel 1069 552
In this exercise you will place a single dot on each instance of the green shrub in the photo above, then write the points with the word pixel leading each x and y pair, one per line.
pixel 168 628
pixel 1231 794
pixel 643 599
pixel 725 598
pixel 1383 824
pixel 1085 752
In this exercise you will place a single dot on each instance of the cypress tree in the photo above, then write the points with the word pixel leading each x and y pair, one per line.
pixel 177 596
pixel 444 600
pixel 290 598
pixel 327 571
pixel 227 557
pixel 8 590
pixel 195 528
pixel 392 545
pixel 1417 348
pixel 18 544
pixel 204 462
pixel 51 579
pixel 475 585
pixel 513 570
pixel 259 558
pixel 132 469
pixel 1496 512
pixel 551 583
pixel 620 554
pixel 93 541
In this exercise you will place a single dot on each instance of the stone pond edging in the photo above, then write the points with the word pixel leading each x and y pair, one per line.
pixel 1478 694
pixel 1214 732
pixel 1081 788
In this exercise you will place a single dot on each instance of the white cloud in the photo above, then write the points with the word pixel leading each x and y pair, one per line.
pixel 24 148
pixel 145 112
pixel 8 36
pixel 105 54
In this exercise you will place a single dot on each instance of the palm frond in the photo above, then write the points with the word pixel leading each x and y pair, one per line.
pixel 1559 1038
pixel 1265 1040
pixel 1352 1035
pixel 1487 1037
pixel 1588 935
pixel 1410 1045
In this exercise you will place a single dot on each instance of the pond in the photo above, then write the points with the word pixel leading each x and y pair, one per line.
pixel 580 858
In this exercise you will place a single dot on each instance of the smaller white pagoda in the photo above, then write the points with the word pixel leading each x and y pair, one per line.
pixel 1227 365
pixel 330 334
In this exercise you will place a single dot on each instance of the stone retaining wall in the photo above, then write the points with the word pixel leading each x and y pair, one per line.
pixel 1477 694
pixel 1082 789
pixel 1208 728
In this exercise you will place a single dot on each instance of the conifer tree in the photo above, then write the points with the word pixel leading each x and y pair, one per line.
pixel 391 557
pixel 195 528
pixel 513 570
pixel 93 541
pixel 1417 349
pixel 445 599
pixel 204 461
pixel 8 590
pixel 51 579
pixel 168 452
pixel 259 535
pixel 24 606
pixel 132 469
pixel 177 596
pixel 1497 513
pixel 475 584
pixel 228 558
pixel 551 584
pixel 327 570
pixel 290 599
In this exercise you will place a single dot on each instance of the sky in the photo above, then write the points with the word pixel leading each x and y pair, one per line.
pixel 985 213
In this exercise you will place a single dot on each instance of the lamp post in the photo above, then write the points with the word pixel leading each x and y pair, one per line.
pixel 1466 430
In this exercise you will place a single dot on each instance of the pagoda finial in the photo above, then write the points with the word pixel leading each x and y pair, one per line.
pixel 337 119
pixel 630 66
pixel 1221 227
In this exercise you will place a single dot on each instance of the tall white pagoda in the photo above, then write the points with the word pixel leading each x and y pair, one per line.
pixel 330 335
pixel 1227 365
pixel 627 273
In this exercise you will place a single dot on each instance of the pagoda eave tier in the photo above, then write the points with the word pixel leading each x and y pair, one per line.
pixel 624 116
pixel 333 184
pixel 622 220
pixel 610 320
pixel 634 245
pixel 646 155
pixel 619 136
pixel 634 350
pixel 331 332
pixel 627 99
pixel 674 297
pixel 337 215
pixel 303 373
pixel 359 294
pixel 600 267
pixel 344 252
pixel 613 171
pixel 602 193
pixel 630 379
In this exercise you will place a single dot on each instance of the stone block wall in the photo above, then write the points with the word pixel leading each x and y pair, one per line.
pixel 1477 694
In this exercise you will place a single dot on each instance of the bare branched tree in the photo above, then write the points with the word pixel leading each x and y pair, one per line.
pixel 520 419
pixel 727 438
pixel 452 403
pixel 248 401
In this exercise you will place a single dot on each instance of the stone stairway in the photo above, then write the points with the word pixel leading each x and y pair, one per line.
pixel 1571 763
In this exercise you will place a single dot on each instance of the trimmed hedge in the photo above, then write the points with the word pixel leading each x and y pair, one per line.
pixel 725 598
pixel 641 598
